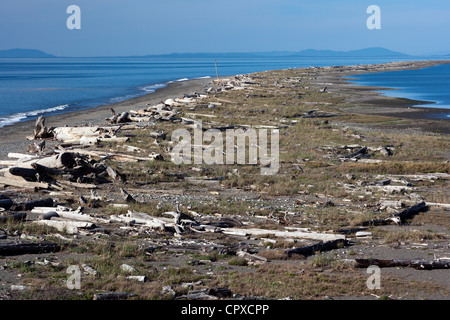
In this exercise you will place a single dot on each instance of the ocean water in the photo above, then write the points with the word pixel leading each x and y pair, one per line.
pixel 430 84
pixel 33 87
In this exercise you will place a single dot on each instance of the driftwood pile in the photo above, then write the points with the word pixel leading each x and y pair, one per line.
pixel 356 152
pixel 70 164
pixel 55 172
pixel 90 135
pixel 239 82
pixel 164 111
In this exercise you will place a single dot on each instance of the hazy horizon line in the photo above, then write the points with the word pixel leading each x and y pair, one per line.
pixel 274 52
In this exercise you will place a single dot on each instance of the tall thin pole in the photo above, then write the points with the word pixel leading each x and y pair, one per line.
pixel 217 72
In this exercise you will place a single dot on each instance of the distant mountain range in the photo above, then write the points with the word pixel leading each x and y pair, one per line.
pixel 24 53
pixel 368 52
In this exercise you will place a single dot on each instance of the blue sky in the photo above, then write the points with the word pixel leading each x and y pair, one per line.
pixel 139 27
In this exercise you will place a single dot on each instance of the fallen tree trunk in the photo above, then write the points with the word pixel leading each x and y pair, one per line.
pixel 284 234
pixel 318 247
pixel 410 212
pixel 6 203
pixel 223 223
pixel 45 170
pixel 251 256
pixel 114 139
pixel 77 185
pixel 59 161
pixel 113 295
pixel 197 296
pixel 117 156
pixel 414 263
pixel 75 133
pixel 71 227
pixel 29 205
pixel 360 151
pixel 200 248
pixel 15 217
pixel 23 172
pixel 400 217
pixel 141 218
pixel 13 249
pixel 23 183
pixel 430 264
pixel 67 214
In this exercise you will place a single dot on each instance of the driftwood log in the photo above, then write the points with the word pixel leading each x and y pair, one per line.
pixel 30 205
pixel 414 263
pixel 363 150
pixel 6 203
pixel 13 249
pixel 71 227
pixel 23 172
pixel 400 217
pixel 283 234
pixel 22 183
pixel 15 217
pixel 113 296
pixel 59 161
pixel 40 130
pixel 318 247
pixel 200 248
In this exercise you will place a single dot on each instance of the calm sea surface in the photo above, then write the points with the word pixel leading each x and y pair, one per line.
pixel 429 84
pixel 31 87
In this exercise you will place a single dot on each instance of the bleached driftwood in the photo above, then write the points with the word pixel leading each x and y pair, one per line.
pixel 40 130
pixel 142 218
pixel 77 185
pixel 71 227
pixel 73 133
pixel 59 161
pixel 284 234
pixel 66 213
pixel 22 183
pixel 117 156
